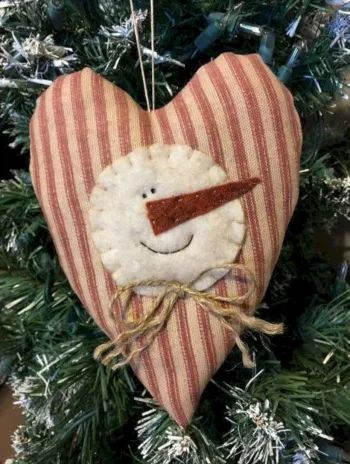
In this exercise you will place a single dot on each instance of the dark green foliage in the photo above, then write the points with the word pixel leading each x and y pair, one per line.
pixel 177 27
pixel 50 339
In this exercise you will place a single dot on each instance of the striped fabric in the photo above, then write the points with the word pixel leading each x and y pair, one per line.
pixel 234 109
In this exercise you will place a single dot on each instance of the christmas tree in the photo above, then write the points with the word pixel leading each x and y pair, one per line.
pixel 294 406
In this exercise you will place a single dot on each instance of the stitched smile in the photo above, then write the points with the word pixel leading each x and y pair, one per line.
pixel 168 252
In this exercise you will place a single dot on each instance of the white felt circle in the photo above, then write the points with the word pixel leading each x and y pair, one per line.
pixel 121 228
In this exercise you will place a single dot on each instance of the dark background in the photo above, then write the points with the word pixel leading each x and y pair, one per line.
pixel 10 157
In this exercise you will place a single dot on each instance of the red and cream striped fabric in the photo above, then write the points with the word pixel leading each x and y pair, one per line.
pixel 233 109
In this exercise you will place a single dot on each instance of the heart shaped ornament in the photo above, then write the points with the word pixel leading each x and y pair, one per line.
pixel 136 199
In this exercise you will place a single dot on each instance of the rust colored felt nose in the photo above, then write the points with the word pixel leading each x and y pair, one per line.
pixel 166 213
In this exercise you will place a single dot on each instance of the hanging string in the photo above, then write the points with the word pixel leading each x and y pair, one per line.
pixel 137 38
pixel 152 49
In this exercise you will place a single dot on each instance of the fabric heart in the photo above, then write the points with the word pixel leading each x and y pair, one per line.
pixel 235 118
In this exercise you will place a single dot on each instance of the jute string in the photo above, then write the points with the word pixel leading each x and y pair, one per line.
pixel 138 334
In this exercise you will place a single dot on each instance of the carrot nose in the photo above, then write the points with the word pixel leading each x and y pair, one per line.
pixel 166 213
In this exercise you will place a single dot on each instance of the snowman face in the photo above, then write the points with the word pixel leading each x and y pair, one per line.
pixel 124 233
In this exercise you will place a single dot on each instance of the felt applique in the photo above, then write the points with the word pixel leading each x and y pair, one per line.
pixel 163 212
pixel 103 169
pixel 179 243
pixel 171 212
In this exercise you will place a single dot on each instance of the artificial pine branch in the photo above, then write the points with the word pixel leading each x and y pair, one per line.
pixel 90 34
pixel 72 404
pixel 162 441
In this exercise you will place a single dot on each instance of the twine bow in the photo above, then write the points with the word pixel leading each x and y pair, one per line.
pixel 138 334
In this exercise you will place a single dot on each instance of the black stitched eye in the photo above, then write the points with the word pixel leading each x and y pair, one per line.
pixel 144 195
pixel 153 190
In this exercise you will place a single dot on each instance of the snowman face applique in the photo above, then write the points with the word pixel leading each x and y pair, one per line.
pixel 167 212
